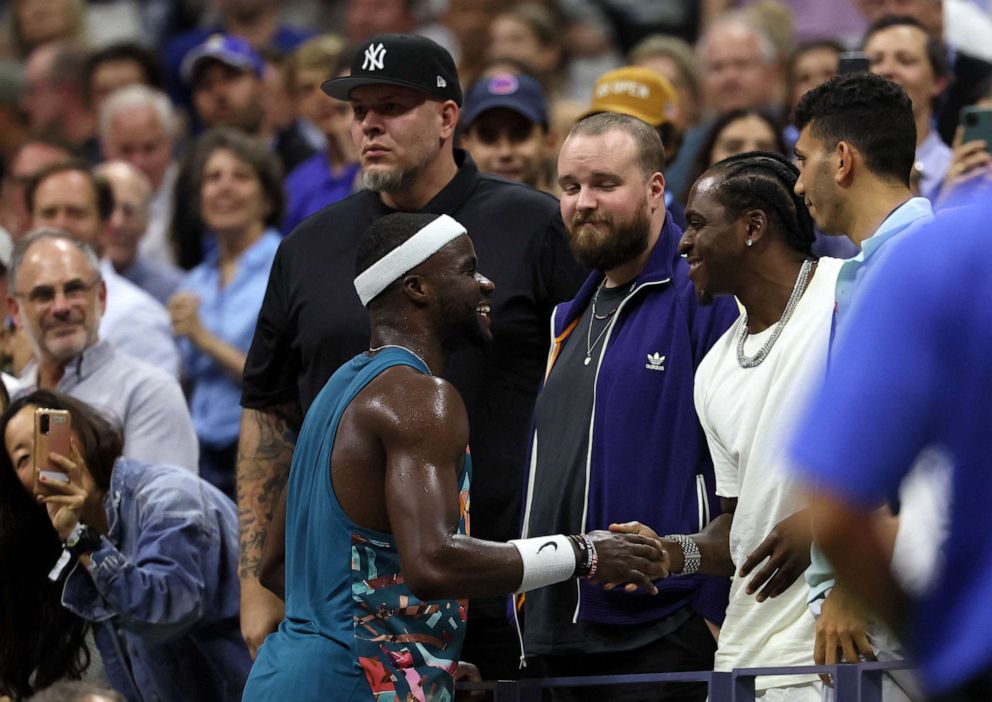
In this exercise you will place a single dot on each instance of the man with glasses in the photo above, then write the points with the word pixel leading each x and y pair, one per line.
pixel 70 197
pixel 57 297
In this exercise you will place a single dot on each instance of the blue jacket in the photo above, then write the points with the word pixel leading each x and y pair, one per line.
pixel 648 458
pixel 163 592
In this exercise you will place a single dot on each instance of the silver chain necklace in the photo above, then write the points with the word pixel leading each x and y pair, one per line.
pixel 797 292
pixel 373 349
pixel 590 344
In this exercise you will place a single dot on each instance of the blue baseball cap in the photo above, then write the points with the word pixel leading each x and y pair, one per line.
pixel 228 49
pixel 519 93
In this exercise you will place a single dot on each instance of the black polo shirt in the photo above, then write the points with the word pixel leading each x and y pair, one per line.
pixel 311 320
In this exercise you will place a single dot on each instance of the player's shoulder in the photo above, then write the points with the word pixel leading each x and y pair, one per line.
pixel 406 393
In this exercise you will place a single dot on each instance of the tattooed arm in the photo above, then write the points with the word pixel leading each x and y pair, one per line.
pixel 265 451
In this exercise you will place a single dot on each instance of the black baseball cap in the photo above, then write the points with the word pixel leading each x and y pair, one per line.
pixel 409 60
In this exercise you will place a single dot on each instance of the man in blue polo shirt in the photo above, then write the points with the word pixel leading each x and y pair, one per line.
pixel 855 153
pixel 924 379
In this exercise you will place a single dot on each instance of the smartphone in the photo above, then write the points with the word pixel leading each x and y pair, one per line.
pixel 977 123
pixel 52 434
pixel 852 62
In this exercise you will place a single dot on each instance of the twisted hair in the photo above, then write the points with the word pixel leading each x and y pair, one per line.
pixel 766 181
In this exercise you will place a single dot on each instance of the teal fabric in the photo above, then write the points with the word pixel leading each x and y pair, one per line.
pixel 353 629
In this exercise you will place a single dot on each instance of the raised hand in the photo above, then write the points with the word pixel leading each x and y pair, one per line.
pixel 786 549
pixel 65 500
pixel 184 311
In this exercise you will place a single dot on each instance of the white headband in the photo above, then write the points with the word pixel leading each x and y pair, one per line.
pixel 410 254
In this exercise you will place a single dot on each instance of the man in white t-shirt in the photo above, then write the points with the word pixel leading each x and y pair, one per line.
pixel 749 235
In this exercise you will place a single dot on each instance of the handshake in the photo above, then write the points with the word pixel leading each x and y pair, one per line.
pixel 632 555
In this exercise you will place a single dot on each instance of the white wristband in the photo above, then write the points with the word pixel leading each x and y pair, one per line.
pixel 547 560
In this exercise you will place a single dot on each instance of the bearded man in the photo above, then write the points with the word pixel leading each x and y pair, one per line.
pixel 616 433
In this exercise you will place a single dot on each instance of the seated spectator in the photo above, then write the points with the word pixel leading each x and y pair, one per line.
pixel 31 156
pixel 738 132
pixel 55 99
pixel 57 297
pixel 527 33
pixel 117 66
pixel 150 557
pixel 37 22
pixel 327 176
pixel 225 74
pixel 809 65
pixel 139 125
pixel 673 60
pixel 741 66
pixel 257 21
pixel 132 197
pixel 504 124
pixel 282 129
pixel 954 23
pixel 70 197
pixel 900 49
pixel 240 203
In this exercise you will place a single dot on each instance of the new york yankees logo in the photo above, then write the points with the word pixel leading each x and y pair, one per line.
pixel 373 57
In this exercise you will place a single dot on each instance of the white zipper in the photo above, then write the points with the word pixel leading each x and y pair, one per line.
pixel 702 503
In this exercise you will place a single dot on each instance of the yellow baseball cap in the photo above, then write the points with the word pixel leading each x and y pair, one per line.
pixel 635 91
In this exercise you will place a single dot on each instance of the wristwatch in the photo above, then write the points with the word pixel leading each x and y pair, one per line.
pixel 82 539
pixel 690 553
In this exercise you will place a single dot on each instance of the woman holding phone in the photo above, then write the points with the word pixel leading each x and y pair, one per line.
pixel 145 555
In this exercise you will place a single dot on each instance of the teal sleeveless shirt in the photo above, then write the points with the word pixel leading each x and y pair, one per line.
pixel 353 630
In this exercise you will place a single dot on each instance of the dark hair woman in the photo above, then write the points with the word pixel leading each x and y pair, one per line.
pixel 145 554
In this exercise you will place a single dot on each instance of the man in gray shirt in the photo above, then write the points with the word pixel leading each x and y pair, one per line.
pixel 57 297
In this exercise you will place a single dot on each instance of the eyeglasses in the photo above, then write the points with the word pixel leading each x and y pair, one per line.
pixel 75 291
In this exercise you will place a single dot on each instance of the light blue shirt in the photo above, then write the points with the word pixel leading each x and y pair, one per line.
pixel 145 402
pixel 923 378
pixel 230 313
pixel 853 274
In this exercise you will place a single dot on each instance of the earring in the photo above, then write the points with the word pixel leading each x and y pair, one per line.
pixel 749 242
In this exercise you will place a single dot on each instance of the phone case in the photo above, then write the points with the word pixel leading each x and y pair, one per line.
pixel 977 123
pixel 57 439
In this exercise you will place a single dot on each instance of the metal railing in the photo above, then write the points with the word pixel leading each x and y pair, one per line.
pixel 861 682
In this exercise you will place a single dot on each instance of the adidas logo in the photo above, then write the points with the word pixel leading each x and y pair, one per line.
pixel 441 82
pixel 656 362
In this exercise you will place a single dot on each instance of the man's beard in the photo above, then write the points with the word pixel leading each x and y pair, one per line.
pixel 393 179
pixel 464 330
pixel 386 180
pixel 624 241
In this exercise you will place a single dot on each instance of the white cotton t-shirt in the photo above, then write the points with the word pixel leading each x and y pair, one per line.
pixel 747 414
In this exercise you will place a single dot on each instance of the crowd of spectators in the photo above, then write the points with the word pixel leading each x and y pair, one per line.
pixel 154 156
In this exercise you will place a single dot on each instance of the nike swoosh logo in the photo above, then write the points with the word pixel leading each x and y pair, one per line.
pixel 549 543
